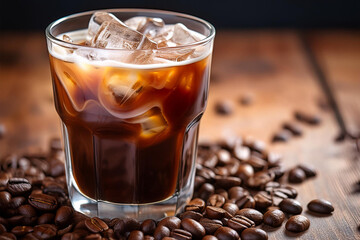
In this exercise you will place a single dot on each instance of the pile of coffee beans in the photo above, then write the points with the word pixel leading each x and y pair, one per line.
pixel 237 191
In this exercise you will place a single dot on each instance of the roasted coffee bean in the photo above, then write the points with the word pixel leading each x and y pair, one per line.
pixel 282 135
pixel 226 233
pixel 245 171
pixel 65 230
pixel 296 175
pixel 273 159
pixel 136 235
pixel 45 231
pixel 237 192
pixel 27 210
pixel 131 224
pixel 56 168
pixel 210 161
pixel 231 208
pixel 215 212
pixel 2 228
pixel 252 214
pixel 148 226
pixel 311 119
pixel 43 202
pixel 170 222
pixel 161 232
pixel 194 227
pixel 16 220
pixel 5 198
pixel 254 234
pixel 209 237
pixel 113 221
pixel 242 153
pixel 199 181
pixel 262 200
pixel 17 202
pixel 54 188
pixel 222 192
pixel 223 156
pixel 196 205
pixel 18 186
pixel 227 182
pixel 206 173
pixel 46 218
pixel 297 223
pixel 119 228
pixel 294 128
pixel 181 234
pixel 21 230
pixel 206 190
pixel 222 171
pixel 290 206
pixel 239 223
pixel 96 225
pixel 216 200
pixel 63 216
pixel 7 236
pixel 274 217
pixel 308 170
pixel 210 225
pixel 245 202
pixel 260 179
pixel 257 163
pixel 191 214
pixel 224 107
pixel 320 206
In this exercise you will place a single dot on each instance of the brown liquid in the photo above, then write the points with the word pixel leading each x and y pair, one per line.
pixel 120 158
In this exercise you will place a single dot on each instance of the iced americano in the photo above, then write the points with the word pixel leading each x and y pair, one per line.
pixel 128 101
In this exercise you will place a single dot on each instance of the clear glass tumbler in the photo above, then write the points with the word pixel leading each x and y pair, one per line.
pixel 130 125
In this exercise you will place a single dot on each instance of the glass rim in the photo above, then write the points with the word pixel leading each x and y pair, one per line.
pixel 63 43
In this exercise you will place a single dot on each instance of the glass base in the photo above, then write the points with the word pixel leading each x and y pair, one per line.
pixel 103 209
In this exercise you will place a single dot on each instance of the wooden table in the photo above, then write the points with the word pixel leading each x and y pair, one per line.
pixel 274 67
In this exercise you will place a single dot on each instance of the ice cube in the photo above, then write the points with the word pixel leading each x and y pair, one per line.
pixel 146 25
pixel 152 122
pixel 182 35
pixel 95 22
pixel 176 55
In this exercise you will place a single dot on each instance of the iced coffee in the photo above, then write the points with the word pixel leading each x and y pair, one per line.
pixel 130 88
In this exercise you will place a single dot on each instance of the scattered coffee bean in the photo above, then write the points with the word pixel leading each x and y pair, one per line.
pixel 224 107
pixel 296 175
pixel 206 190
pixel 136 235
pixel 181 234
pixel 45 231
pixel 209 237
pixel 274 217
pixel 254 234
pixel 20 231
pixel 210 225
pixel 252 214
pixel 294 128
pixel 226 233
pixel 43 202
pixel 308 170
pixel 161 232
pixel 263 200
pixel 320 206
pixel 283 135
pixel 63 216
pixel 7 236
pixel 191 214
pixel 194 227
pixel 27 210
pixel 246 99
pixel 216 200
pixel 245 202
pixel 311 119
pixel 5 198
pixel 170 222
pixel 297 223
pixel 239 223
pixel 231 208
pixel 18 186
pixel 96 225
pixel 2 130
pixel 197 205
pixel 290 206
pixel 148 226
pixel 215 212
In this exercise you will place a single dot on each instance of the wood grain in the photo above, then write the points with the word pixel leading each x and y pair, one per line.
pixel 271 67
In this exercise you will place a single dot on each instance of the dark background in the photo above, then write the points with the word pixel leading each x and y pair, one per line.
pixel 36 15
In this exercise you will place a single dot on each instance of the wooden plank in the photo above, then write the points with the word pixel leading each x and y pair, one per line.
pixel 338 53
pixel 268 65
pixel 272 67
